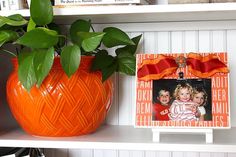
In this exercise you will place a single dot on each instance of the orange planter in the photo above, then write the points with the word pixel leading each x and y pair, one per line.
pixel 61 106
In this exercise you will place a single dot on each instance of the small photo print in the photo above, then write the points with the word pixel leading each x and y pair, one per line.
pixel 182 100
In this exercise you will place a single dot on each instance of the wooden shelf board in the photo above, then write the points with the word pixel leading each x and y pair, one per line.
pixel 125 138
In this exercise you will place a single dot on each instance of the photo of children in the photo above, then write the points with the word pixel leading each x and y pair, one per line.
pixel 182 100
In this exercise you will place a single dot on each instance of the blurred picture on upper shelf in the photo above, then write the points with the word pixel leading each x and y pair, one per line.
pixel 64 3
pixel 13 4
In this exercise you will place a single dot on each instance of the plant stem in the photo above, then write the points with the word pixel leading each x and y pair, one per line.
pixel 22 30
pixel 10 52
pixel 62 36
pixel 92 28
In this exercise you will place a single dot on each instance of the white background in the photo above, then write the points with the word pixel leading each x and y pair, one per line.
pixel 175 37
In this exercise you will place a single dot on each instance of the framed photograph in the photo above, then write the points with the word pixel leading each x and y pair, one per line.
pixel 182 90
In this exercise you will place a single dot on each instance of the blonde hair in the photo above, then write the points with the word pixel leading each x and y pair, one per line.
pixel 201 90
pixel 183 86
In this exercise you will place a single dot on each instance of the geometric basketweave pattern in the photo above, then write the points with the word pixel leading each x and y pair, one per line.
pixel 61 106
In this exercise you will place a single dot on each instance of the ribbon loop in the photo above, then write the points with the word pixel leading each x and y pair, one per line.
pixel 198 65
pixel 157 68
pixel 205 66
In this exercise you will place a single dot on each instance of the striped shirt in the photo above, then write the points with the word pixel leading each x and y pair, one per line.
pixel 183 111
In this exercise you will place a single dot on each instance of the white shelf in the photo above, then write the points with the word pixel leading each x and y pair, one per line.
pixel 125 138
pixel 143 13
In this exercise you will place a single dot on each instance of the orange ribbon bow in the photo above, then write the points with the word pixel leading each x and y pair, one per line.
pixel 200 66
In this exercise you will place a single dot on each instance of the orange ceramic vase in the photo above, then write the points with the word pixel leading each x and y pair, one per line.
pixel 61 106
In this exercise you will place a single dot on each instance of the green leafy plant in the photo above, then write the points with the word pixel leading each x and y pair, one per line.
pixel 38 39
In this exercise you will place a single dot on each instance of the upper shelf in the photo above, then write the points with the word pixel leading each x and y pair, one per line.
pixel 125 138
pixel 142 13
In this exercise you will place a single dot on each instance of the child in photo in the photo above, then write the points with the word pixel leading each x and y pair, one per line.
pixel 200 97
pixel 161 109
pixel 183 108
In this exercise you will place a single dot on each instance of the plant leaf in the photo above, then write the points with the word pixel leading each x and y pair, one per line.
pixel 7 35
pixel 102 60
pixel 126 63
pixel 43 61
pixel 2 21
pixel 115 37
pixel 24 53
pixel 31 25
pixel 26 72
pixel 90 40
pixel 13 20
pixel 79 26
pixel 61 40
pixel 16 17
pixel 70 59
pixel 130 48
pixel 41 12
pixel 108 71
pixel 39 38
